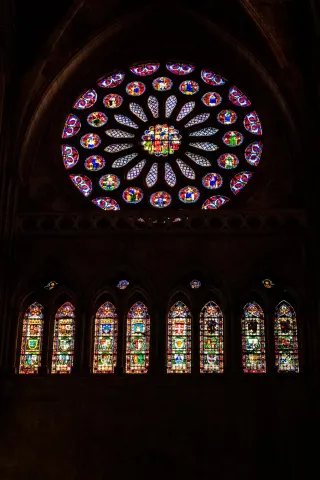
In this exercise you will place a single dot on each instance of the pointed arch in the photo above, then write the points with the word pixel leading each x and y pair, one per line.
pixel 253 339
pixel 179 339
pixel 105 339
pixel 138 339
pixel 63 339
pixel 211 338
pixel 286 338
pixel 32 338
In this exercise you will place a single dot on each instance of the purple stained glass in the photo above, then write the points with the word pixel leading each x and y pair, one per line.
pixel 70 156
pixel 145 69
pixel 106 203
pixel 87 100
pixel 252 123
pixel 180 68
pixel 215 202
pixel 111 81
pixel 253 153
pixel 212 78
pixel 83 183
pixel 71 126
pixel 238 98
pixel 239 181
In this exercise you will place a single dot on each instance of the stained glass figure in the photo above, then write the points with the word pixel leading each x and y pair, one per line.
pixel 135 171
pixel 207 146
pixel 105 339
pixel 63 339
pixel 90 140
pixel 239 181
pixel 169 175
pixel 195 284
pixel 187 171
pixel 253 339
pixel 112 100
pixel 252 123
pixel 125 121
pixel 117 147
pixel 171 102
pixel 71 126
pixel 228 161
pixel 109 182
pixel 153 105
pixel 111 81
pixel 161 140
pixel 286 338
pixel 83 183
pixel 189 87
pixel 70 156
pixel 138 111
pixel 212 181
pixel 211 99
pixel 202 117
pixel 31 342
pixel 106 203
pixel 204 132
pixel 227 117
pixel 152 177
pixel 179 339
pixel 94 163
pixel 123 284
pixel 212 78
pixel 232 138
pixel 253 153
pixel 185 110
pixel 145 69
pixel 160 199
pixel 132 195
pixel 115 133
pixel 162 84
pixel 51 285
pixel 267 283
pixel 180 68
pixel 198 159
pixel 138 339
pixel 215 202
pixel 238 98
pixel 122 161
pixel 97 119
pixel 87 100
pixel 189 194
pixel 211 339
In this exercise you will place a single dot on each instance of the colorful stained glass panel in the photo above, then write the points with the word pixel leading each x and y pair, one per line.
pixel 138 339
pixel 215 202
pixel 160 199
pixel 228 161
pixel 238 98
pixel 31 342
pixel 239 181
pixel 286 338
pixel 105 339
pixel 106 203
pixel 212 181
pixel 252 123
pixel 132 195
pixel 189 194
pixel 232 138
pixel 90 140
pixel 253 339
pixel 94 163
pixel 179 339
pixel 162 84
pixel 253 153
pixel 71 127
pixel 189 87
pixel 145 69
pixel 111 81
pixel 113 100
pixel 70 156
pixel 180 68
pixel 83 183
pixel 211 99
pixel 87 100
pixel 211 339
pixel 63 339
pixel 109 182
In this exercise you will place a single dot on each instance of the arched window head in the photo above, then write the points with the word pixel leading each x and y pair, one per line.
pixel 105 339
pixel 211 339
pixel 159 135
pixel 63 339
pixel 179 339
pixel 31 342
pixel 286 338
pixel 138 339
pixel 253 339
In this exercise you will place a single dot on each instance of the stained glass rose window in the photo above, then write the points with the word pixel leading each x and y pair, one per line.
pixel 162 135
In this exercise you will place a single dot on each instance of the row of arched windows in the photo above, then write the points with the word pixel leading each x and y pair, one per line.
pixel 179 339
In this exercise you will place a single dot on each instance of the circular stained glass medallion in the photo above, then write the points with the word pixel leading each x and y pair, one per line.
pixel 189 194
pixel 112 100
pixel 97 119
pixel 212 181
pixel 90 140
pixel 211 99
pixel 189 87
pixel 227 117
pixel 94 163
pixel 232 138
pixel 195 284
pixel 71 126
pixel 160 199
pixel 135 89
pixel 227 161
pixel 132 195
pixel 161 84
pixel 109 182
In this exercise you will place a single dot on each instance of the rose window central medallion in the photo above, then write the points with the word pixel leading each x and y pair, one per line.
pixel 161 140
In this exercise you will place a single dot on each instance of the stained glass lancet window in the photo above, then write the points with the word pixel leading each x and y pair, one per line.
pixel 253 339
pixel 63 339
pixel 31 342
pixel 105 339
pixel 138 339
pixel 179 339
pixel 211 339
pixel 286 338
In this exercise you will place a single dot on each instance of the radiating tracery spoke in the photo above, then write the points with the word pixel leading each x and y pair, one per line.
pixel 115 133
pixel 138 111
pixel 122 161
pixel 204 132
pixel 152 177
pixel 169 175
pixel 187 171
pixel 198 159
pixel 153 105
pixel 135 171
pixel 171 102
pixel 202 117
pixel 207 146
pixel 125 121
pixel 185 110
pixel 118 147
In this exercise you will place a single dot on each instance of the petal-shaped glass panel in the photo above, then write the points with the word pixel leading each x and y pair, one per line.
pixel 214 202
pixel 187 171
pixel 253 339
pixel 106 203
pixel 169 175
pixel 160 199
pixel 171 102
pixel 71 127
pixel 122 161
pixel 204 132
pixel 207 146
pixel 83 183
pixel 135 171
pixel 153 105
pixel 252 123
pixel 111 81
pixel 239 181
pixel 87 100
pixel 198 159
pixel 202 117
pixel 253 153
pixel 145 69
pixel 212 78
pixel 115 133
pixel 125 121
pixel 70 156
pixel 152 177
pixel 138 111
pixel 238 98
pixel 185 110
pixel 118 147
pixel 180 68
pixel 211 339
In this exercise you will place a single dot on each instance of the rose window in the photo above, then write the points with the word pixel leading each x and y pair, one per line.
pixel 162 135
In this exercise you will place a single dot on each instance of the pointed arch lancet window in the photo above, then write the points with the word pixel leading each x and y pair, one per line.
pixel 211 339
pixel 286 338
pixel 138 339
pixel 31 342
pixel 179 339
pixel 253 339
pixel 63 339
pixel 105 339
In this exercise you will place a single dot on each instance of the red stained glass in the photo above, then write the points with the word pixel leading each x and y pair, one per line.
pixel 211 339
pixel 286 338
pixel 162 84
pixel 90 140
pixel 87 100
pixel 94 163
pixel 109 182
pixel 135 89
pixel 111 81
pixel 132 195
pixel 239 181
pixel 232 138
pixel 160 199
pixel 189 194
pixel 180 68
pixel 238 98
pixel 227 161
pixel 179 339
pixel 106 203
pixel 138 339
pixel 189 87
pixel 253 339
pixel 31 342
pixel 212 181
pixel 63 340
pixel 105 339
pixel 112 100
pixel 97 119
pixel 253 153
pixel 71 126
pixel 211 78
pixel 70 156
pixel 227 117
pixel 211 99
pixel 145 69
pixel 83 183
pixel 215 202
